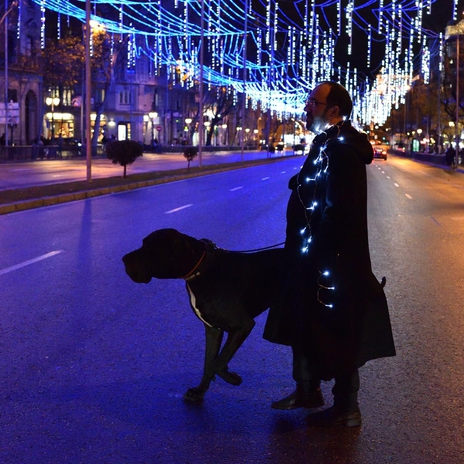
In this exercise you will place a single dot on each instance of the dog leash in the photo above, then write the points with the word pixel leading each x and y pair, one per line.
pixel 261 249
pixel 195 272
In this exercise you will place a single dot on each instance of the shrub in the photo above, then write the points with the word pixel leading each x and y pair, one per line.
pixel 123 152
pixel 190 153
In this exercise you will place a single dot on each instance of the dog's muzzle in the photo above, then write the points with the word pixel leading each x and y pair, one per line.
pixel 135 270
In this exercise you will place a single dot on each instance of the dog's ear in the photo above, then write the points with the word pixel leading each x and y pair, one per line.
pixel 188 245
pixel 169 254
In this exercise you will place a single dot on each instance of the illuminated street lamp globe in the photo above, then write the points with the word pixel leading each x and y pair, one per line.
pixel 52 101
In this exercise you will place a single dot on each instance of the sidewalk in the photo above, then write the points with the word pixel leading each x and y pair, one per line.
pixel 46 173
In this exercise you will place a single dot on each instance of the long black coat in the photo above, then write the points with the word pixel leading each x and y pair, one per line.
pixel 332 305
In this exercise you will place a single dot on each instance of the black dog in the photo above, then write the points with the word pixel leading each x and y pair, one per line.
pixel 227 290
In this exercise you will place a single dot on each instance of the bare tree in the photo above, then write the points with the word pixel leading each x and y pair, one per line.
pixel 106 50
pixel 219 103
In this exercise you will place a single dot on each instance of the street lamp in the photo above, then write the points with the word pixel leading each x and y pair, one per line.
pixel 225 134
pixel 240 136
pixel 451 125
pixel 419 132
pixel 52 101
pixel 247 136
pixel 188 121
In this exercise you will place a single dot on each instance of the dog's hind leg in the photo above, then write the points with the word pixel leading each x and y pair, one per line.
pixel 235 339
pixel 213 345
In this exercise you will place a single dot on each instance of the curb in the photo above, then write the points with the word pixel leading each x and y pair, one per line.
pixel 91 193
pixel 83 195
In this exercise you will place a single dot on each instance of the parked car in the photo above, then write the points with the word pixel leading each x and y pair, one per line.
pixel 380 152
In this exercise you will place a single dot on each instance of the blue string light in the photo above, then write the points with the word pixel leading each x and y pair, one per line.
pixel 294 45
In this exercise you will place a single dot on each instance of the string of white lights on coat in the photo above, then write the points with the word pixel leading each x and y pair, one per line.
pixel 321 163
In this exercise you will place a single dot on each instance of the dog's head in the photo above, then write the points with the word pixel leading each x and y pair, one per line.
pixel 164 254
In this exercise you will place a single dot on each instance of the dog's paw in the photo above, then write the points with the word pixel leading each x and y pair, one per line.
pixel 230 377
pixel 194 394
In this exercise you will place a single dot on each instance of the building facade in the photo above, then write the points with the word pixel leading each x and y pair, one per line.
pixel 137 97
pixel 20 79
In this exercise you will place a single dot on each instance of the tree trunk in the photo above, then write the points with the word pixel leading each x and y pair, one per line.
pixel 96 128
pixel 209 136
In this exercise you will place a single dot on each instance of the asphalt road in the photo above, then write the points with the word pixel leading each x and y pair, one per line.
pixel 94 366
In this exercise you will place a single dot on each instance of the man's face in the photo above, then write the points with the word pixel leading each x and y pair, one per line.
pixel 317 110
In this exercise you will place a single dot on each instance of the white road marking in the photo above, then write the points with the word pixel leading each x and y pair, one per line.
pixel 30 261
pixel 396 185
pixel 408 196
pixel 283 172
pixel 265 178
pixel 177 209
pixel 236 188
pixel 425 173
pixel 388 177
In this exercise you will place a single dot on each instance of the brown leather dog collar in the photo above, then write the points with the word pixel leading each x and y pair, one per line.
pixel 195 272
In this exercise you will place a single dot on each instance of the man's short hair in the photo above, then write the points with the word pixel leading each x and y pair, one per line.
pixel 339 96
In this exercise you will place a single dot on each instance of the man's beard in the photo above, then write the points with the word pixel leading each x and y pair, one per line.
pixel 317 125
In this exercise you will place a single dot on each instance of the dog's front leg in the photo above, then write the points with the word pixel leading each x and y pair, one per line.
pixel 235 339
pixel 213 345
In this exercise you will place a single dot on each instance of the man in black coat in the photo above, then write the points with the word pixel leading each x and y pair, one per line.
pixel 333 311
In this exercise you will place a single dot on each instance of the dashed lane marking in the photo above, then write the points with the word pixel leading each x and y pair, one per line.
pixel 265 178
pixel 236 188
pixel 408 196
pixel 396 185
pixel 30 261
pixel 178 209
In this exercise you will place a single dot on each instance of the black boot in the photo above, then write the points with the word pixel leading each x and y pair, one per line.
pixel 303 397
pixel 335 417
pixel 345 411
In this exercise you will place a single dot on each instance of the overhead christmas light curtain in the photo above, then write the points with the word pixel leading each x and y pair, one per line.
pixel 373 47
